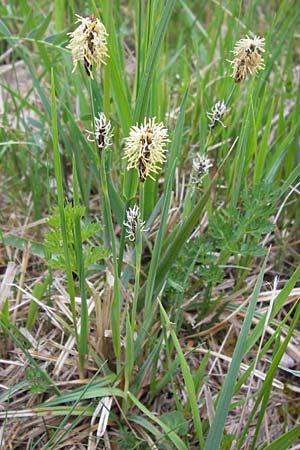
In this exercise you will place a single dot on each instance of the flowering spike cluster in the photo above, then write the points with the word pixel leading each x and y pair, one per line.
pixel 133 219
pixel 201 166
pixel 247 57
pixel 102 134
pixel 216 114
pixel 145 147
pixel 88 43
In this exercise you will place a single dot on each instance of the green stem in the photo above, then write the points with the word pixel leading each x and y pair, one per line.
pixel 142 200
pixel 107 217
pixel 106 77
pixel 60 199
pixel 115 310
pixel 84 317
pixel 122 241
pixel 139 46
pixel 138 257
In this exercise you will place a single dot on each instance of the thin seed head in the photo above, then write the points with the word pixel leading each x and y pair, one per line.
pixel 145 147
pixel 102 135
pixel 133 219
pixel 201 166
pixel 88 43
pixel 216 114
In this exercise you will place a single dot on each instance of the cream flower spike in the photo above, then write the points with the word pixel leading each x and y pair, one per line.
pixel 88 43
pixel 247 57
pixel 145 147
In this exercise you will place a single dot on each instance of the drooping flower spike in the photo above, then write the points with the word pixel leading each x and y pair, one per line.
pixel 88 43
pixel 145 148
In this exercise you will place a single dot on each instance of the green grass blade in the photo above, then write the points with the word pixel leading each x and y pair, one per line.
pixel 17 388
pixel 277 160
pixel 285 441
pixel 144 423
pixel 264 392
pixel 179 444
pixel 240 157
pixel 83 335
pixel 89 393
pixel 189 383
pixel 263 148
pixel 278 304
pixel 60 197
pixel 129 353
pixel 59 14
pixel 216 430
pixel 142 101
pixel 119 84
pixel 4 30
pixel 63 429
pixel 175 148
pixel 192 19
pixel 38 292
pixel 144 91
pixel 290 180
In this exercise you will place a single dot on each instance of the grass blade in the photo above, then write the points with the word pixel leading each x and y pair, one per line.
pixel 141 107
pixel 285 441
pixel 60 198
pixel 216 430
pixel 189 383
pixel 83 336
pixel 179 444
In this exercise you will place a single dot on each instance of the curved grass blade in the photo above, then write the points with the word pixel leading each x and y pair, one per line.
pixel 285 441
pixel 278 304
pixel 84 318
pixel 216 430
pixel 189 383
pixel 170 171
pixel 179 444
pixel 265 390
pixel 60 198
